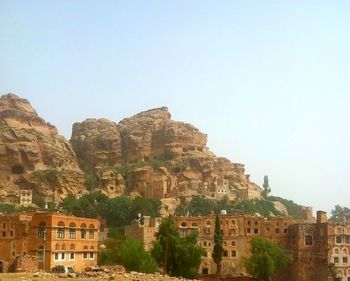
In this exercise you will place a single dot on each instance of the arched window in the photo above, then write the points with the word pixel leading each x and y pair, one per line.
pixel 208 223
pixel 345 251
pixel 83 231
pixel 183 224
pixel 41 230
pixel 91 231
pixel 60 229
pixel 86 248
pixel 72 231
pixel 340 273
pixel 57 247
pixel 234 243
pixel 338 230
pixel 72 247
pixel 92 248
pixel 336 251
pixel 233 222
pixel 308 237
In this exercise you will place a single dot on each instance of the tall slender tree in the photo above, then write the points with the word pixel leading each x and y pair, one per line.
pixel 266 186
pixel 218 250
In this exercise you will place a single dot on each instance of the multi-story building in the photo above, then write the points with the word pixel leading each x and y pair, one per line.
pixel 237 231
pixel 339 249
pixel 54 238
pixel 144 230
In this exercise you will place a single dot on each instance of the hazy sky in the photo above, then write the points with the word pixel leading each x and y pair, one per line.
pixel 268 81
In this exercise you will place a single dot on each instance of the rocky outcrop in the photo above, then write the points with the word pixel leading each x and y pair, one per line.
pixel 97 143
pixel 29 145
pixel 151 155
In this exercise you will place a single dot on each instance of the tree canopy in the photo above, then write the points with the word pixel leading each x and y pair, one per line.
pixel 177 256
pixel 267 258
pixel 340 213
pixel 218 250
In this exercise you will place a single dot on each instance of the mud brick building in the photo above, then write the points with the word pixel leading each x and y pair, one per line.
pixel 54 238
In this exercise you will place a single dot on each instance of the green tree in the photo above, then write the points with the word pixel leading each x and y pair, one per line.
pixel 200 206
pixel 177 256
pixel 133 257
pixel 218 250
pixel 339 213
pixel 266 186
pixel 267 258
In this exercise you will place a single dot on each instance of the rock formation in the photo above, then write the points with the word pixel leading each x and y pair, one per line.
pixel 147 154
pixel 154 156
pixel 97 144
pixel 33 155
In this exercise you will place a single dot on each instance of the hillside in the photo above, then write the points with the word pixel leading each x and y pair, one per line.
pixel 148 155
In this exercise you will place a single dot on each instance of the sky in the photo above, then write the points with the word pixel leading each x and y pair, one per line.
pixel 268 81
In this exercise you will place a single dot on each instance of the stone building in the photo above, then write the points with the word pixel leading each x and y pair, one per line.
pixel 144 230
pixel 54 238
pixel 25 197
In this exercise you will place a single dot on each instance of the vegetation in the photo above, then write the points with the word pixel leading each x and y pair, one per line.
pixel 47 176
pixel 118 211
pixel 267 258
pixel 266 187
pixel 92 181
pixel 177 256
pixel 294 210
pixel 200 206
pixel 218 250
pixel 133 257
pixel 339 213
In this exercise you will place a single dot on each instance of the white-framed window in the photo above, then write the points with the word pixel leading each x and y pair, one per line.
pixel 85 255
pixel 72 256
pixel 57 256
pixel 91 255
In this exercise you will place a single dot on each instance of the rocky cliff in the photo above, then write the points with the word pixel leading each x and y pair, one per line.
pixel 33 156
pixel 151 155
pixel 147 154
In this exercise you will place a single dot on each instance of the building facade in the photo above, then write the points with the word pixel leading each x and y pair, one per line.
pixel 55 239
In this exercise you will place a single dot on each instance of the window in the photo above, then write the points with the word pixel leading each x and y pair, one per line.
pixel 233 253
pixel 234 243
pixel 224 253
pixel 91 255
pixel 91 231
pixel 277 230
pixel 308 237
pixel 338 239
pixel 71 256
pixel 85 255
pixel 345 259
pixel 41 230
pixel 3 234
pixel 256 231
pixel 285 230
pixel 336 259
pixel 248 230
pixel 11 233
pixel 41 253
pixel 72 234
pixel 232 231
pixel 347 239
pixel 56 256
pixel 63 256
pixel 60 230
pixel 308 240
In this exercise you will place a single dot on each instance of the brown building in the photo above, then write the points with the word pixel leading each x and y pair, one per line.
pixel 237 230
pixel 55 239
pixel 143 230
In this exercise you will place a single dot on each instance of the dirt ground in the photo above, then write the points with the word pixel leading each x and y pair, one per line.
pixel 120 277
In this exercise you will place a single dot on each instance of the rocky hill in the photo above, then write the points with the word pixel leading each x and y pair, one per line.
pixel 147 154
pixel 33 156
pixel 151 155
